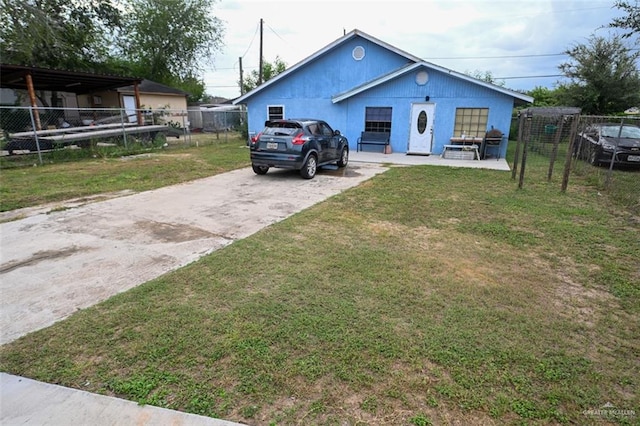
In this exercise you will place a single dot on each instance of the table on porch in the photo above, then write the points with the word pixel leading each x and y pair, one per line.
pixel 463 144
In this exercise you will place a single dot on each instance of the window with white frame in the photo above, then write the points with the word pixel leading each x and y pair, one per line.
pixel 275 112
pixel 377 119
pixel 471 122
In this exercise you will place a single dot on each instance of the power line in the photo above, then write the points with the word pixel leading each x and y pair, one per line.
pixel 529 76
pixel 252 39
pixel 513 56
pixel 502 57
pixel 274 31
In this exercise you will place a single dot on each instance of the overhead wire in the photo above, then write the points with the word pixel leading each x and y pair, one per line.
pixel 442 58
pixel 252 40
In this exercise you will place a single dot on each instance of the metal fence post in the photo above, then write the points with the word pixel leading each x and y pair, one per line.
pixel 527 136
pixel 35 134
pixel 186 133
pixel 226 127
pixel 554 150
pixel 124 132
pixel 570 150
pixel 517 153
pixel 607 180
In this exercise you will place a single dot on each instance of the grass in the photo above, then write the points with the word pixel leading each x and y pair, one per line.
pixel 64 180
pixel 426 295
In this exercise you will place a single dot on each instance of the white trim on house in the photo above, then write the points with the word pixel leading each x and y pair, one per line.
pixel 275 106
pixel 373 83
pixel 401 71
pixel 341 40
pixel 417 63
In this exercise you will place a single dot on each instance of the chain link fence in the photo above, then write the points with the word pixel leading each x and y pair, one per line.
pixel 38 135
pixel 556 145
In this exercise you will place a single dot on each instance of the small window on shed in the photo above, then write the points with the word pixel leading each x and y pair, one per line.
pixel 377 119
pixel 275 112
pixel 471 122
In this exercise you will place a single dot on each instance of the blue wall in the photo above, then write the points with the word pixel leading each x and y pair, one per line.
pixel 307 93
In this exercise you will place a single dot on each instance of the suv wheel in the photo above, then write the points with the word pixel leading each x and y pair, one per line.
pixel 344 158
pixel 308 170
pixel 260 170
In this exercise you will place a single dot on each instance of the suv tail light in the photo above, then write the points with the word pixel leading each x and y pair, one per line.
pixel 255 138
pixel 299 139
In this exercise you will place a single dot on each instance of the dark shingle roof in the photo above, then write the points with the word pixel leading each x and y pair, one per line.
pixel 148 86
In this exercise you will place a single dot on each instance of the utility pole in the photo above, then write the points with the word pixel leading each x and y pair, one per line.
pixel 260 70
pixel 241 80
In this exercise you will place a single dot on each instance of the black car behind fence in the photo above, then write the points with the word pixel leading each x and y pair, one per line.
pixel 557 145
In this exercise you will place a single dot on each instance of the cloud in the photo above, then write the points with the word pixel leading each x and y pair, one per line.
pixel 465 32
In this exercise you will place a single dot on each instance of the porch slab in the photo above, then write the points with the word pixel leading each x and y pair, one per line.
pixel 426 160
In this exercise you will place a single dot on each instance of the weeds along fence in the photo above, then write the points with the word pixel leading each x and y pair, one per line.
pixel 31 136
pixel 558 145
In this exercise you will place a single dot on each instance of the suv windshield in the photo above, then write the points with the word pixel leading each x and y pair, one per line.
pixel 627 131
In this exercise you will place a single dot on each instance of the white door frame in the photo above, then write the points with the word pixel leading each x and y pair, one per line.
pixel 421 143
pixel 129 103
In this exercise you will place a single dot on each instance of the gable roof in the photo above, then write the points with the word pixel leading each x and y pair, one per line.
pixel 422 64
pixel 417 62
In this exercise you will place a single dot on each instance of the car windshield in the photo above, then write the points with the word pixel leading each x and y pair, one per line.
pixel 632 132
pixel 281 129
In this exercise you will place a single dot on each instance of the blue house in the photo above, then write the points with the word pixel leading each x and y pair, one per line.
pixel 359 83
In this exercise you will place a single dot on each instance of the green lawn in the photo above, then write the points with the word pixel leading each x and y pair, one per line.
pixel 427 295
pixel 62 179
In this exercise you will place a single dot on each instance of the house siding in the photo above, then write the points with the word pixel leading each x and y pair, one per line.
pixel 308 92
pixel 445 92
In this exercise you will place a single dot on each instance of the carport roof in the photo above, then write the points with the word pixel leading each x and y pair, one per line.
pixel 14 77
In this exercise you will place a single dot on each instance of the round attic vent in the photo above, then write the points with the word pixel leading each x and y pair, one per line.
pixel 358 53
pixel 421 78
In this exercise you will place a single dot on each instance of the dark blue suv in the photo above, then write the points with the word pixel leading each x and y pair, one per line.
pixel 302 144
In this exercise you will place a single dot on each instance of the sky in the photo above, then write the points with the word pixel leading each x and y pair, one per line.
pixel 516 38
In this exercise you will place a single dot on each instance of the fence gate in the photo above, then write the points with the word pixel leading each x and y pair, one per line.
pixel 545 135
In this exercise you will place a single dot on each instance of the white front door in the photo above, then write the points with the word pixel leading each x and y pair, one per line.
pixel 421 134
pixel 130 108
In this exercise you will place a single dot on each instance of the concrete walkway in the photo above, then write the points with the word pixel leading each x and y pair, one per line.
pixel 59 258
pixel 28 402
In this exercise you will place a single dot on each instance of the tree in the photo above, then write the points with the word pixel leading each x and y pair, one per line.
pixel 269 70
pixel 57 33
pixel 630 22
pixel 604 77
pixel 485 76
pixel 194 86
pixel 543 96
pixel 168 40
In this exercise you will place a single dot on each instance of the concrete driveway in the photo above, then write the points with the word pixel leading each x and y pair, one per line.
pixel 69 256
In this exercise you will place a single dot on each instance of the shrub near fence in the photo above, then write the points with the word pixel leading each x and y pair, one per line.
pixel 67 134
